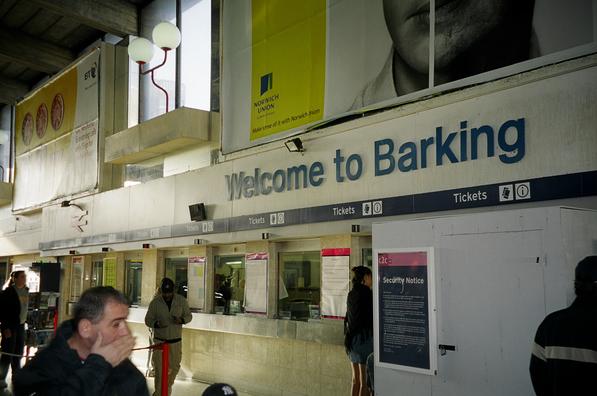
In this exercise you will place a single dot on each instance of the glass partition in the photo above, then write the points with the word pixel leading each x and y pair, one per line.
pixel 133 276
pixel 176 269
pixel 299 286
pixel 97 273
pixel 229 284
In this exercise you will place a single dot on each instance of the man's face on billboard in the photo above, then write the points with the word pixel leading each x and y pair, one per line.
pixel 459 24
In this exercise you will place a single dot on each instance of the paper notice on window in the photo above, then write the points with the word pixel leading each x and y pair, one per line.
pixel 256 283
pixel 196 279
pixel 335 270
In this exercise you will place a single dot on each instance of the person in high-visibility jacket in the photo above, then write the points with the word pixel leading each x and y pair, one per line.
pixel 166 314
pixel 564 356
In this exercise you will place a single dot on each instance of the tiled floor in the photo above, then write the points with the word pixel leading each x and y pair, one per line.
pixel 180 388
pixel 187 388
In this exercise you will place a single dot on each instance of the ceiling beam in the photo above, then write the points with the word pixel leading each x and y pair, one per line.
pixel 32 52
pixel 11 90
pixel 118 17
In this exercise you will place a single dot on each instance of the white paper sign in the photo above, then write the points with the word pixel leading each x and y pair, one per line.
pixel 256 283
pixel 196 279
pixel 334 282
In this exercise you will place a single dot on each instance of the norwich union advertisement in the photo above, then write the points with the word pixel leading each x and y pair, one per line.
pixel 288 64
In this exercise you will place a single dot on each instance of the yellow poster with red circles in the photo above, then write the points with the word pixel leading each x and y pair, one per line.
pixel 58 107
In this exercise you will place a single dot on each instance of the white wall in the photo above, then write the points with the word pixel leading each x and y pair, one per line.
pixel 561 133
pixel 497 276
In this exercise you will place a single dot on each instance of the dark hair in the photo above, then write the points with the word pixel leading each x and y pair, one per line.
pixel 359 274
pixel 585 277
pixel 219 389
pixel 93 301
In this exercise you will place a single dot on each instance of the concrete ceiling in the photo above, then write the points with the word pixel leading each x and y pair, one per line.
pixel 38 38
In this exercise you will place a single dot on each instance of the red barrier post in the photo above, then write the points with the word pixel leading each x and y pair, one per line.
pixel 165 365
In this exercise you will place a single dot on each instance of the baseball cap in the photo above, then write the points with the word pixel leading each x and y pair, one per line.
pixel 219 389
pixel 586 270
pixel 167 285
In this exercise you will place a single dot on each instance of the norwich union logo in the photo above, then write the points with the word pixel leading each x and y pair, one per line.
pixel 266 83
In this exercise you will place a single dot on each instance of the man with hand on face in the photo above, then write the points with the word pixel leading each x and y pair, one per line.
pixel 89 353
pixel 166 314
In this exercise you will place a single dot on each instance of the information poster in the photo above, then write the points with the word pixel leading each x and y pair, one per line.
pixel 335 270
pixel 110 271
pixel 256 283
pixel 196 291
pixel 406 323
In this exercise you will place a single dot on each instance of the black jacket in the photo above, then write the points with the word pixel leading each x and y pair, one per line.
pixel 58 370
pixel 359 314
pixel 10 314
pixel 564 359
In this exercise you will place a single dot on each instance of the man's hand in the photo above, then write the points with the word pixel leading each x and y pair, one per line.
pixel 115 352
pixel 177 320
pixel 6 333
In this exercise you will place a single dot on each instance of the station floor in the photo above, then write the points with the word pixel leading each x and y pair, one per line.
pixel 180 388
pixel 188 388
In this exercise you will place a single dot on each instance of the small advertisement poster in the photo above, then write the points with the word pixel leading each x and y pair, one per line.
pixel 196 291
pixel 335 280
pixel 406 320
pixel 256 283
pixel 109 271
pixel 288 64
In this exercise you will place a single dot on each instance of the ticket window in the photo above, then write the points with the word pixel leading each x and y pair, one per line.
pixel 229 284
pixel 97 273
pixel 133 276
pixel 367 254
pixel 3 272
pixel 177 270
pixel 299 289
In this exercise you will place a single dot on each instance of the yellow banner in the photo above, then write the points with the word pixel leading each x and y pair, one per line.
pixel 288 64
pixel 48 114
pixel 70 100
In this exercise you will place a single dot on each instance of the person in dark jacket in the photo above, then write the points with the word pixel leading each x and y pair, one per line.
pixel 358 327
pixel 13 315
pixel 89 354
pixel 564 357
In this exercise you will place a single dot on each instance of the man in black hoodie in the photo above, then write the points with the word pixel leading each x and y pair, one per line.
pixel 89 354
pixel 564 358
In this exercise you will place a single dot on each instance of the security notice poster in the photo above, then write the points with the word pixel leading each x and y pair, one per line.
pixel 406 320
pixel 196 291
pixel 335 272
pixel 256 283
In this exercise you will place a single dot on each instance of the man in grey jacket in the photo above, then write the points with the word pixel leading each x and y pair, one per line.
pixel 166 314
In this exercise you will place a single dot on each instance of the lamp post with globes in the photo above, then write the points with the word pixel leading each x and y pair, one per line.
pixel 166 36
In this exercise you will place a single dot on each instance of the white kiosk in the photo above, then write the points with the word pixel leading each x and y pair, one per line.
pixel 460 319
